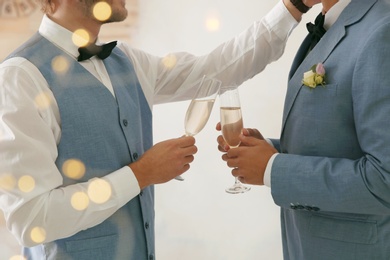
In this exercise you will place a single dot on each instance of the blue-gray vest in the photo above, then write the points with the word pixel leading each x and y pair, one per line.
pixel 105 133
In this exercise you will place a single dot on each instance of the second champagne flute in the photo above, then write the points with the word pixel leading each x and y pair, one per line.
pixel 231 126
pixel 200 108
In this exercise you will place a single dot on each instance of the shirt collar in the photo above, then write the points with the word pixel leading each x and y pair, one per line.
pixel 60 36
pixel 334 12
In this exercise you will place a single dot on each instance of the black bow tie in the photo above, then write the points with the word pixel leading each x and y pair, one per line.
pixel 316 30
pixel 102 51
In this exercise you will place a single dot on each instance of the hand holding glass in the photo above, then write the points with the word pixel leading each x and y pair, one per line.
pixel 200 108
pixel 231 126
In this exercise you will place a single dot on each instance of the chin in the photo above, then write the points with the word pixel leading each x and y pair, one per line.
pixel 118 16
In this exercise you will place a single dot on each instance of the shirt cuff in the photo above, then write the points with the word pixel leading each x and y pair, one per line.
pixel 124 185
pixel 267 173
pixel 280 21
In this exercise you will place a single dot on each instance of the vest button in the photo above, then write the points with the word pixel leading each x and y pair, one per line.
pixel 125 122
pixel 151 257
pixel 135 156
pixel 146 225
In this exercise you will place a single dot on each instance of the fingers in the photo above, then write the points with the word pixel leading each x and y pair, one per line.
pixel 222 146
pixel 218 126
pixel 252 132
pixel 249 140
pixel 186 141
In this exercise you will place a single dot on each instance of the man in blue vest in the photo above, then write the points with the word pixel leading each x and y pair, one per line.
pixel 330 170
pixel 77 160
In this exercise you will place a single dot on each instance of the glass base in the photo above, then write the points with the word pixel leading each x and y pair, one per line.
pixel 237 188
pixel 179 178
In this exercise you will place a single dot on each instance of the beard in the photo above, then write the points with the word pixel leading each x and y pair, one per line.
pixel 118 12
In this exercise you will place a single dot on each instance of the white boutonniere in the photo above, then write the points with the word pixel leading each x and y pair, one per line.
pixel 315 76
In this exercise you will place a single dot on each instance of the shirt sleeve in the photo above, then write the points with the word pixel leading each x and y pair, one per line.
pixel 173 77
pixel 31 193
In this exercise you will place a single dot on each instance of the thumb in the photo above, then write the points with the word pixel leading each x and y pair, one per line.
pixel 248 140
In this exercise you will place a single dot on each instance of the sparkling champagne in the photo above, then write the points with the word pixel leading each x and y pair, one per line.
pixel 231 122
pixel 197 115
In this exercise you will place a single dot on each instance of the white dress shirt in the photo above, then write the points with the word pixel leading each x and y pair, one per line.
pixel 31 191
pixel 330 18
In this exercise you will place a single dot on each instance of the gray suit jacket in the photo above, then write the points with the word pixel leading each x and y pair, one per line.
pixel 332 178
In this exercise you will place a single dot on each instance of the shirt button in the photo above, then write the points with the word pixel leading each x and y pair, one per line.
pixel 146 225
pixel 125 122
pixel 135 156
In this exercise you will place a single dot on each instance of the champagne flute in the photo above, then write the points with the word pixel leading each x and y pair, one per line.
pixel 231 126
pixel 200 108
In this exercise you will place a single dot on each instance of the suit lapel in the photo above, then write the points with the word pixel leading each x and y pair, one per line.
pixel 352 14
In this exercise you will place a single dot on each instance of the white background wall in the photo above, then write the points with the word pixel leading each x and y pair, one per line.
pixel 196 219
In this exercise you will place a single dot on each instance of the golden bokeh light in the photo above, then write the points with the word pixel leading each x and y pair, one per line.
pixel 81 37
pixel 18 257
pixel 73 169
pixel 60 64
pixel 80 201
pixel 169 61
pixel 102 11
pixel 212 23
pixel 42 100
pixel 26 183
pixel 99 191
pixel 38 235
pixel 7 181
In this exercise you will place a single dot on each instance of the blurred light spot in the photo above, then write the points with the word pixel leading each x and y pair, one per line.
pixel 42 100
pixel 102 11
pixel 60 64
pixel 38 235
pixel 7 181
pixel 26 183
pixel 18 257
pixel 99 191
pixel 80 37
pixel 169 61
pixel 212 23
pixel 80 201
pixel 73 169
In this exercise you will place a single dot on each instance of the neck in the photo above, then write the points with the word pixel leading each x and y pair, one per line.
pixel 327 4
pixel 92 28
pixel 74 18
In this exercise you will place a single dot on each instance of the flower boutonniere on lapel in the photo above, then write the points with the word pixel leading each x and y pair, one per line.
pixel 315 76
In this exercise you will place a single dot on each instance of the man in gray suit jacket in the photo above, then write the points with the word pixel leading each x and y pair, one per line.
pixel 330 170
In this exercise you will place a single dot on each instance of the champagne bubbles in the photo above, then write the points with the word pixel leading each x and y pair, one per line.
pixel 102 11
